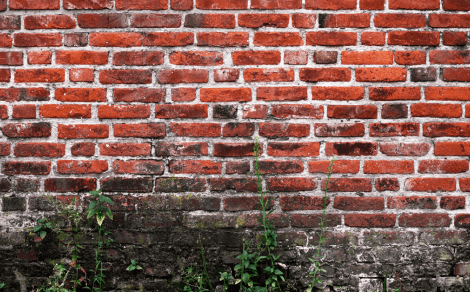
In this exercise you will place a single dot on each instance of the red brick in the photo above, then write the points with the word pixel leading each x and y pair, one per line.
pixel 222 39
pixel 423 74
pixel 447 93
pixel 413 38
pixel 351 148
pixel 176 111
pixel 367 58
pixel 331 4
pixel 27 130
pixel 269 75
pixel 234 149
pixel 339 130
pixel 65 111
pixel 456 5
pixel 387 184
pixel 237 184
pixel 64 185
pixel 11 58
pixel 147 95
pixel 5 40
pixel 39 75
pixel 296 149
pixel 142 5
pixel 226 75
pixel 225 111
pixel 456 74
pixel 256 57
pixel 394 93
pixel 107 20
pixel 196 58
pixel 38 40
pixel 348 185
pixel 424 220
pixel 209 21
pixel 263 20
pixel 405 149
pixel 274 130
pixel 27 167
pixel 4 112
pixel 192 203
pixel 291 184
pixel 337 93
pixel 242 204
pixel 5 75
pixel 326 38
pixel 49 22
pixel 142 58
pixel 24 94
pixel 446 129
pixel 125 149
pixel 295 57
pixel 276 39
pixel 281 93
pixel 412 202
pixel 81 166
pixel 82 75
pixel 139 130
pixel 301 20
pixel 373 38
pixel 436 110
pixel 443 166
pixel 87 131
pixel 130 76
pixel 155 20
pixel 399 20
pixel 449 57
pixel 183 76
pixel 393 129
pixel 25 111
pixel 449 20
pixel 168 39
pixel 359 20
pixel 80 94
pixel 88 4
pixel 462 220
pixel 181 149
pixel 138 167
pixel 238 130
pixel 225 94
pixel 414 4
pixel 83 149
pixel 339 166
pixel 372 4
pixel 26 149
pixel 352 111
pixel 196 129
pixel 452 203
pixel 369 220
pixel 430 184
pixel 39 57
pixel 240 167
pixel 359 204
pixel 76 39
pixel 9 21
pixel 271 5
pixel 292 203
pixel 276 166
pixel 380 74
pixel 195 166
pixel 4 149
pixel 116 39
pixel 297 111
pixel 34 5
pixel 221 4
pixel 123 111
pixel 384 166
pixel 325 57
pixel 325 74
pixel 457 38
pixel 452 149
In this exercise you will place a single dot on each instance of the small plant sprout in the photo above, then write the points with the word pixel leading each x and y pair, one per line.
pixel 97 207
pixel 42 226
pixel 133 266
pixel 2 285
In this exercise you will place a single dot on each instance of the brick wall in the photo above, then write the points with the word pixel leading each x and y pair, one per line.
pixel 158 100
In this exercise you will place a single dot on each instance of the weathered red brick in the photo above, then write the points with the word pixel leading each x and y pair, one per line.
pixel 369 220
pixel 373 38
pixel 385 166
pixel 64 185
pixel 28 149
pixel 27 167
pixel 393 129
pixel 452 203
pixel 326 38
pixel 269 75
pixel 294 111
pixel 222 39
pixel 192 58
pixel 27 130
pixel 142 5
pixel 263 20
pixel 87 131
pixel 34 5
pixel 125 149
pixel 273 130
pixel 394 93
pixel 196 129
pixel 39 75
pixel 339 166
pixel 276 39
pixel 414 4
pixel 238 130
pixel 351 148
pixel 359 20
pixel 221 4
pixel 82 75
pixel 399 20
pixel 123 111
pixel 337 93
pixel 299 149
pixel 168 39
pixel 405 149
pixel 234 149
pixel 80 94
pixel 209 21
pixel 348 185
pixel 38 40
pixel 352 111
pixel 359 204
pixel 81 166
pixel 291 184
pixel 277 166
pixel 139 130
pixel 331 4
pixel 39 57
pixel 413 38
pixel 291 203
pixel 25 111
pixel 367 58
pixel 430 184
pixel 11 58
pixel 446 129
pixel 325 74
pixel 387 184
pixel 181 149
pixel 424 220
pixel 83 149
pixel 183 76
pixel 65 111
pixel 339 130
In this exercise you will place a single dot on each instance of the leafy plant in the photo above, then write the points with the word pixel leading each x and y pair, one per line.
pixel 314 279
pixel 2 285
pixel 57 281
pixel 227 278
pixel 97 208
pixel 194 279
pixel 42 226
pixel 133 266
